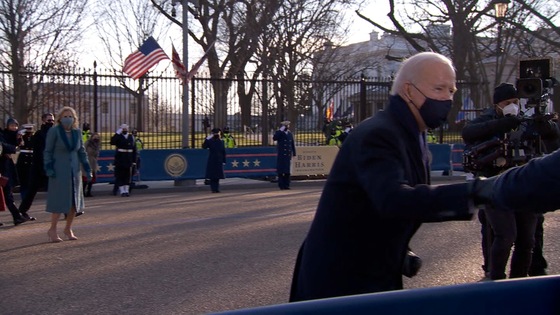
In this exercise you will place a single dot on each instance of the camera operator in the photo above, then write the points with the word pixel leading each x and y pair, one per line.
pixel 501 229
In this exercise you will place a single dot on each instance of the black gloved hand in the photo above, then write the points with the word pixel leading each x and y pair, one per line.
pixel 482 190
pixel 544 127
pixel 508 123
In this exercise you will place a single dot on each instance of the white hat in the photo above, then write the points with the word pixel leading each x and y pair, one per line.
pixel 28 126
pixel 124 126
pixel 285 123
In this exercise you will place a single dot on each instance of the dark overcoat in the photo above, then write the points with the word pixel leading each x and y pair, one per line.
pixel 374 200
pixel 216 158
pixel 532 187
pixel 285 148
pixel 125 153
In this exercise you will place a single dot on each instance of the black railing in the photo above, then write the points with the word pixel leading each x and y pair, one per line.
pixel 252 109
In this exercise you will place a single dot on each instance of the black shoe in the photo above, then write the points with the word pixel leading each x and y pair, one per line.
pixel 88 195
pixel 79 213
pixel 123 195
pixel 19 221
pixel 27 217
pixel 1 223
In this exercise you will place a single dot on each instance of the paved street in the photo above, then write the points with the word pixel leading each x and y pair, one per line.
pixel 193 252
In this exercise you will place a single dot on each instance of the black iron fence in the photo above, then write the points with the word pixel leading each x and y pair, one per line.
pixel 252 109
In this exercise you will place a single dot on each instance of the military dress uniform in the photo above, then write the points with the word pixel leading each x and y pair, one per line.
pixel 25 160
pixel 125 158
pixel 286 148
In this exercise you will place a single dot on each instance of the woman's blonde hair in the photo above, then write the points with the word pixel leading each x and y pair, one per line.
pixel 71 110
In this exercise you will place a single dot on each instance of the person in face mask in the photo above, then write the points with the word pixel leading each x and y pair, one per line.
pixel 64 159
pixel 38 179
pixel 378 191
pixel 501 230
pixel 93 147
pixel 125 159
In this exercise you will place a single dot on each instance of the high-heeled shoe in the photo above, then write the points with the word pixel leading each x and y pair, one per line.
pixel 53 238
pixel 70 235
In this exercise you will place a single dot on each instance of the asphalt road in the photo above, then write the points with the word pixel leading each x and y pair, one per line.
pixel 196 253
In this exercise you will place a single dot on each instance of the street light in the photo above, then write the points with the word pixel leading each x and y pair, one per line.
pixel 500 10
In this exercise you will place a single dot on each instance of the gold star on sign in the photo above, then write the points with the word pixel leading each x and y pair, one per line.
pixel 234 163
pixel 246 163
pixel 257 163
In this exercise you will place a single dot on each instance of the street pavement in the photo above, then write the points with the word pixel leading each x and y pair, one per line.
pixel 171 249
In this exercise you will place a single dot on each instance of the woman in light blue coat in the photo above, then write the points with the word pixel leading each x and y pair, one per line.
pixel 64 154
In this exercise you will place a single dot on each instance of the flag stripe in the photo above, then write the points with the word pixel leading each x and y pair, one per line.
pixel 147 56
pixel 180 69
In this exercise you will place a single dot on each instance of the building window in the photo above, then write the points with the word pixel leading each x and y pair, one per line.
pixel 133 108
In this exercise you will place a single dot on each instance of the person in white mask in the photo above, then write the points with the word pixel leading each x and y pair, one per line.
pixel 500 229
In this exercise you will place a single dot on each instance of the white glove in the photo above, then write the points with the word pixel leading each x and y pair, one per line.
pixel 282 128
pixel 119 131
pixel 209 137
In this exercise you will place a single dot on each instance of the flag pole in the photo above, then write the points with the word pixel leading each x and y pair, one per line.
pixel 185 116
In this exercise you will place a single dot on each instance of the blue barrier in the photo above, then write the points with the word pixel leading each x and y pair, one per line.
pixel 539 295
pixel 179 164
pixel 441 157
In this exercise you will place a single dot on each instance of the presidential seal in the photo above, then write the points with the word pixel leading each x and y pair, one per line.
pixel 175 165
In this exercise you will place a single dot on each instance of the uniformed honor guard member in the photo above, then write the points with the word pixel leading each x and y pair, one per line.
pixel 285 150
pixel 25 159
pixel 216 159
pixel 125 159
pixel 38 179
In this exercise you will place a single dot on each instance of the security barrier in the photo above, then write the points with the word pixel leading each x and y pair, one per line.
pixel 539 295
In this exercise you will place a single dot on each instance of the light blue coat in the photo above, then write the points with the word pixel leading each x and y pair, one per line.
pixel 64 154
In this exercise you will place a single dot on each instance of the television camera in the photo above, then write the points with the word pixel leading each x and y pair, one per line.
pixel 519 146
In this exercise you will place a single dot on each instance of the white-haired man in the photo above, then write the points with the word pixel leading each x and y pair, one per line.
pixel 378 193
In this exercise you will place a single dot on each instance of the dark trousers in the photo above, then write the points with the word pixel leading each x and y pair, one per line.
pixel 284 180
pixel 122 175
pixel 215 185
pixel 35 184
pixel 538 262
pixel 9 199
pixel 487 238
pixel 511 228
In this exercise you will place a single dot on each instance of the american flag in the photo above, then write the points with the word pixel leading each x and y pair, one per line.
pixel 180 69
pixel 147 56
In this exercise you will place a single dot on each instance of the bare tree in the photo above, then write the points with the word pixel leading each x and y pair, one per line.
pixel 36 36
pixel 471 44
pixel 299 31
pixel 122 27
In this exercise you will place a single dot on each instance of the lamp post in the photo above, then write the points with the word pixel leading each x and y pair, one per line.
pixel 500 10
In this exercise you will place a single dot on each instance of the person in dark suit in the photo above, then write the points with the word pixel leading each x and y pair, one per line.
pixel 378 192
pixel 216 159
pixel 38 178
pixel 286 148
pixel 125 159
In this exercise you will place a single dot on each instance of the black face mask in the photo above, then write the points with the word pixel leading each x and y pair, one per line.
pixel 434 112
pixel 124 132
pixel 48 125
